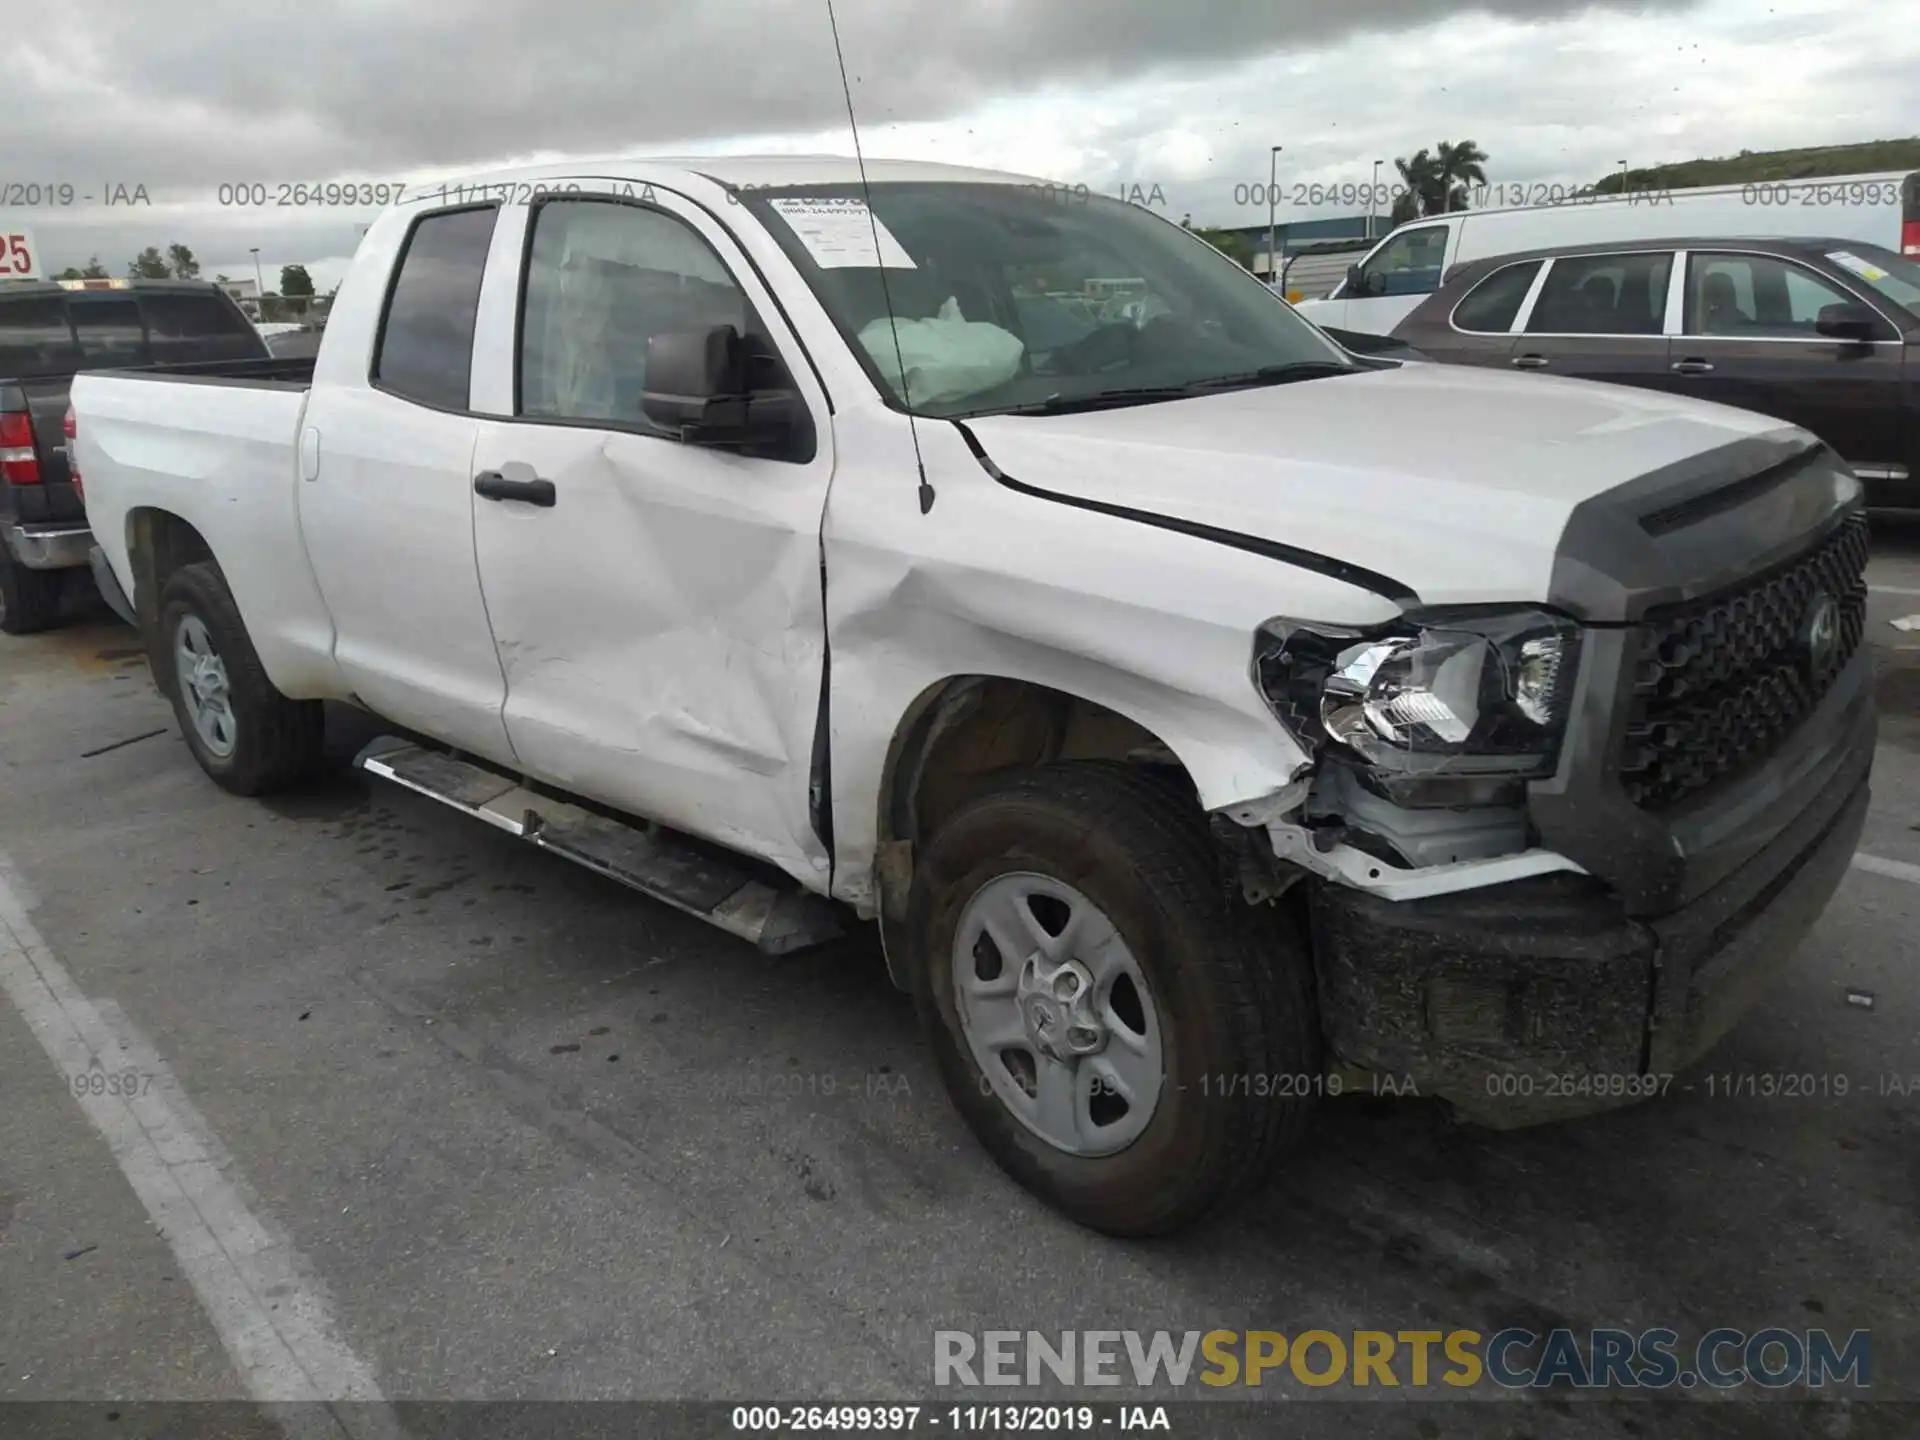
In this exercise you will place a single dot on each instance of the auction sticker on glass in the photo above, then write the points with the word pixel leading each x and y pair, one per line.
pixel 1866 270
pixel 841 233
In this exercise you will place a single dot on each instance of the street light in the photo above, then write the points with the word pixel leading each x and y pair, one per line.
pixel 1623 176
pixel 1273 177
pixel 1373 196
pixel 259 285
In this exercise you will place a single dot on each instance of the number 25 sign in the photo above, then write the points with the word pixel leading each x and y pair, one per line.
pixel 19 256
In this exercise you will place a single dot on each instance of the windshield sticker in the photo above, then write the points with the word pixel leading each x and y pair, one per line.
pixel 1865 269
pixel 839 234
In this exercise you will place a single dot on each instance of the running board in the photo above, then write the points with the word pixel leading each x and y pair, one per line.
pixel 643 857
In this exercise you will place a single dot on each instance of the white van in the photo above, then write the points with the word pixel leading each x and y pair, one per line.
pixel 1408 264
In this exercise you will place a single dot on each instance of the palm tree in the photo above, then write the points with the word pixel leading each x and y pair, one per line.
pixel 1419 172
pixel 1436 181
pixel 1459 166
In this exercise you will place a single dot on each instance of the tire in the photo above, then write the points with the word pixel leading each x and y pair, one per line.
pixel 29 599
pixel 270 742
pixel 1229 989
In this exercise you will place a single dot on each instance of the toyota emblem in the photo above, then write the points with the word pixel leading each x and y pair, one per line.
pixel 1820 634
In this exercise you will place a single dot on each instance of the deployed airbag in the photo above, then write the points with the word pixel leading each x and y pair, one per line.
pixel 945 358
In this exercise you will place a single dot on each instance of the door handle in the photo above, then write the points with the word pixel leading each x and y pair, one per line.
pixel 1690 367
pixel 1531 362
pixel 492 485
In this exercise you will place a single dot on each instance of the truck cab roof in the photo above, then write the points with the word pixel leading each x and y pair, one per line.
pixel 750 171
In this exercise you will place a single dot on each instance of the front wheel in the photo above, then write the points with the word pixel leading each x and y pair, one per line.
pixel 246 735
pixel 1132 1043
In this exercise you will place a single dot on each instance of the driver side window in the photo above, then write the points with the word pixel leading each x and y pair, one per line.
pixel 602 278
pixel 1408 264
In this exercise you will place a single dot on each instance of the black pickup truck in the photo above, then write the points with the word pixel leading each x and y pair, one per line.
pixel 49 331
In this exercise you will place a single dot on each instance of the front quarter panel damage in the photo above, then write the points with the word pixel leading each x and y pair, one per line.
pixel 1154 625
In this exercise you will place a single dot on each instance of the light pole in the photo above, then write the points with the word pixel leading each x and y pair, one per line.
pixel 1623 178
pixel 1273 176
pixel 1373 196
pixel 259 285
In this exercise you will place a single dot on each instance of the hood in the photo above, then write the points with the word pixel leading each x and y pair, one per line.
pixel 1455 482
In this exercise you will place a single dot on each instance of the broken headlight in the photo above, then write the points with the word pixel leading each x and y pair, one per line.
pixel 1458 692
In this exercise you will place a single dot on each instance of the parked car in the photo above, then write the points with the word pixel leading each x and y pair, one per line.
pixel 1382 290
pixel 49 332
pixel 1823 333
pixel 1208 725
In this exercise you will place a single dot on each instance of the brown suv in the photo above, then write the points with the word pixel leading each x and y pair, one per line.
pixel 1823 333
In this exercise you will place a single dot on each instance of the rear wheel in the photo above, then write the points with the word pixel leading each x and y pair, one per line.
pixel 246 735
pixel 1130 1042
pixel 29 599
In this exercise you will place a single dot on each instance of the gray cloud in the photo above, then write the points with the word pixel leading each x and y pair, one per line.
pixel 1186 96
pixel 284 89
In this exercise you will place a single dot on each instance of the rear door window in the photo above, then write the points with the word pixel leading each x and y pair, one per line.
pixel 1490 307
pixel 1604 295
pixel 188 327
pixel 426 338
pixel 109 332
pixel 35 338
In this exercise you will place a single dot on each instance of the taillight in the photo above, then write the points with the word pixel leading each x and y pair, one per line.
pixel 1910 238
pixel 18 463
pixel 68 429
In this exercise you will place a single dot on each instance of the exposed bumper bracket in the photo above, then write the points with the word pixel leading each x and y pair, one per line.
pixel 47 547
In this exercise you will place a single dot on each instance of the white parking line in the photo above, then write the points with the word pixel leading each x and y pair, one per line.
pixel 1892 869
pixel 1890 590
pixel 256 1289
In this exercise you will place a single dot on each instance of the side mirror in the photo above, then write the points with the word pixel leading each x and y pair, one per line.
pixel 698 388
pixel 1356 282
pixel 1849 320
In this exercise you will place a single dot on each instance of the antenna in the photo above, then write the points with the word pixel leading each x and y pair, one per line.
pixel 880 259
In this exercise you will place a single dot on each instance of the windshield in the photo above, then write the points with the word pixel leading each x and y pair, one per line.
pixel 1013 298
pixel 1896 278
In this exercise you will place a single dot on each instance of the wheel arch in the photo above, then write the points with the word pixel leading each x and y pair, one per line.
pixel 159 542
pixel 961 731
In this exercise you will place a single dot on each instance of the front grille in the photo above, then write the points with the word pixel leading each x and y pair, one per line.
pixel 1721 681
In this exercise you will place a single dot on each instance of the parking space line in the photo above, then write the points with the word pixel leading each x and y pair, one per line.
pixel 1892 869
pixel 1891 590
pixel 286 1348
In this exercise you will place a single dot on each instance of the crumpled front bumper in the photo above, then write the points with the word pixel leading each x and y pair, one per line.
pixel 1543 998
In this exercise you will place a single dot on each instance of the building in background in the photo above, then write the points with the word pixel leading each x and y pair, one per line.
pixel 1312 255
pixel 246 292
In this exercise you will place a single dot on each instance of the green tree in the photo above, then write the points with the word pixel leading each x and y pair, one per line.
pixel 180 260
pixel 1437 181
pixel 1420 179
pixel 149 264
pixel 1230 243
pixel 1460 165
pixel 93 270
pixel 294 280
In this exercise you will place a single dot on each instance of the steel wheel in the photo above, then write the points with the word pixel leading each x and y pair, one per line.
pixel 1058 1014
pixel 203 686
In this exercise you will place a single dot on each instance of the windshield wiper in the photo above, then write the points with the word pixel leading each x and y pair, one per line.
pixel 1061 404
pixel 1274 375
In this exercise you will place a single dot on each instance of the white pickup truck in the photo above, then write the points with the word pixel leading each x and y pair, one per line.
pixel 1213 719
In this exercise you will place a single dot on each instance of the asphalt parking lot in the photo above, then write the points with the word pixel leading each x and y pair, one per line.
pixel 488 1126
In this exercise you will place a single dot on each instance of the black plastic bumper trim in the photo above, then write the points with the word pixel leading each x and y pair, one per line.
pixel 1495 999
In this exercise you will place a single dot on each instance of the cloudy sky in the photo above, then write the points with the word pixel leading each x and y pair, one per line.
pixel 1183 95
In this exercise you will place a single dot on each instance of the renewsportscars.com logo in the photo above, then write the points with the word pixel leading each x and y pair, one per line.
pixel 1514 1359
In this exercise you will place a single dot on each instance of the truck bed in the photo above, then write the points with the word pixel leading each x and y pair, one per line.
pixel 279 372
pixel 214 443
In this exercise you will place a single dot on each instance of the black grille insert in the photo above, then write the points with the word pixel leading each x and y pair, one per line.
pixel 1719 682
